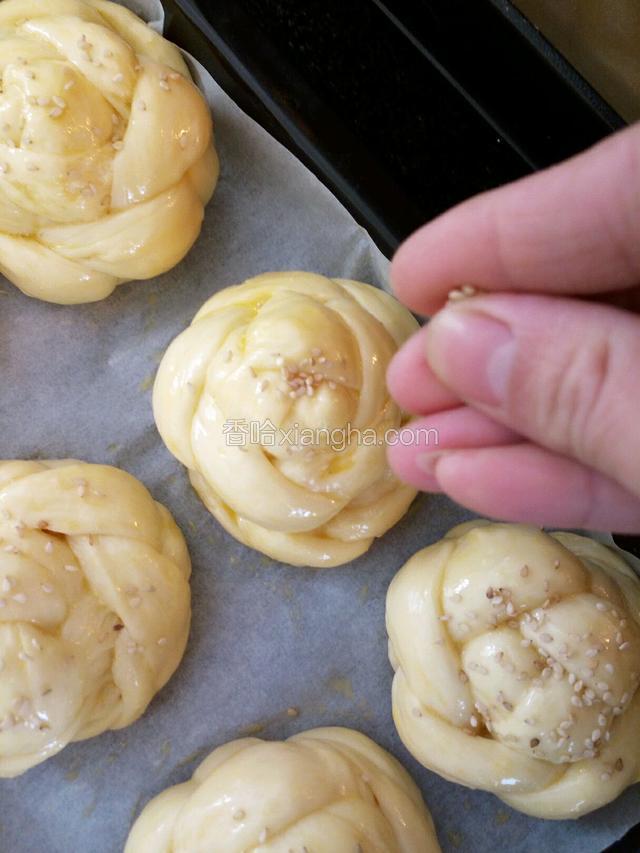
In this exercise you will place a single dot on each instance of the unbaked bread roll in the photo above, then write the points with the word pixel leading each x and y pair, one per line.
pixel 327 790
pixel 94 605
pixel 517 658
pixel 275 400
pixel 106 149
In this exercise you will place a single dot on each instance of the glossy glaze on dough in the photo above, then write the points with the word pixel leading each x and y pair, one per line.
pixel 329 790
pixel 106 150
pixel 94 605
pixel 517 658
pixel 285 349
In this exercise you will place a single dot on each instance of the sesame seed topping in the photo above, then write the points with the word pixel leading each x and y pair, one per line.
pixel 69 85
pixel 118 78
pixel 46 587
pixel 473 721
pixel 19 598
pixel 70 568
pixel 624 646
pixel 263 836
pixel 118 145
pixel 164 85
pixel 162 641
pixel 601 606
pixel 56 112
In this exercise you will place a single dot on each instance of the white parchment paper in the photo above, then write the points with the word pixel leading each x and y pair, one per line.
pixel 266 637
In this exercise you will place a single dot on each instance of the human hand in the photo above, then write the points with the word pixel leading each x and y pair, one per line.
pixel 534 385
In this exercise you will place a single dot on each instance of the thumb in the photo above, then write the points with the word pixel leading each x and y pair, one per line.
pixel 561 372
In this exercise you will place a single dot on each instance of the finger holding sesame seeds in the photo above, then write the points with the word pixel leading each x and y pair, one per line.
pixel 545 631
pixel 329 790
pixel 94 605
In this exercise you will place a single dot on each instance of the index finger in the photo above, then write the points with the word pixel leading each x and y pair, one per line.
pixel 572 229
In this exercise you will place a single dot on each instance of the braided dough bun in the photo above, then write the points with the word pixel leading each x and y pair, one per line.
pixel 279 350
pixel 106 150
pixel 329 790
pixel 517 658
pixel 94 605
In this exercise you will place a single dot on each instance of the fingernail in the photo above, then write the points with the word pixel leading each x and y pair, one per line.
pixel 427 462
pixel 472 353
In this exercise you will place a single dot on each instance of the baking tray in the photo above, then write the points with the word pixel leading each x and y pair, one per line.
pixel 428 104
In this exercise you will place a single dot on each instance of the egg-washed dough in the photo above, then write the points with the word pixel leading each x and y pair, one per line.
pixel 279 350
pixel 94 605
pixel 328 790
pixel 517 658
pixel 106 150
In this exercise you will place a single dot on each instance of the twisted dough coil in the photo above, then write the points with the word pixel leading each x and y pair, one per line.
pixel 94 605
pixel 287 349
pixel 517 658
pixel 329 790
pixel 106 149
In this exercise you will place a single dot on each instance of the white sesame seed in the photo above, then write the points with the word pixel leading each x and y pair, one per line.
pixel 605 776
pixel 624 646
pixel 162 641
pixel 46 587
pixel 608 697
pixel 69 85
pixel 118 78
pixel 164 85
pixel 118 145
pixel 591 653
pixel 19 598
pixel 473 720
pixel 70 568
pixel 601 606
pixel 56 112
pixel 263 836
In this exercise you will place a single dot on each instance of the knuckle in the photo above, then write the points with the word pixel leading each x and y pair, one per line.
pixel 564 399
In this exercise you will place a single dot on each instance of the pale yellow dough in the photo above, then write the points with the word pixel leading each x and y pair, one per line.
pixel 517 658
pixel 327 790
pixel 94 605
pixel 281 350
pixel 106 150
